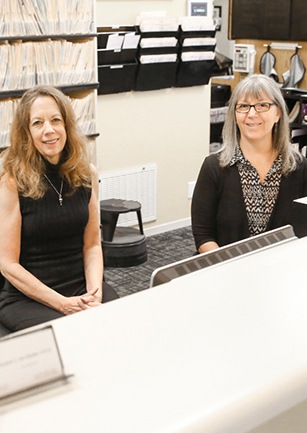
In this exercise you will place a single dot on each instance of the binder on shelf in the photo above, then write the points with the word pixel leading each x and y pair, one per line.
pixel 117 78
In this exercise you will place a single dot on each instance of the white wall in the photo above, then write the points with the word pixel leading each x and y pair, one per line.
pixel 224 45
pixel 169 127
pixel 125 11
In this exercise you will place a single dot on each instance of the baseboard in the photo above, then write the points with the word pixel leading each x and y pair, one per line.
pixel 179 224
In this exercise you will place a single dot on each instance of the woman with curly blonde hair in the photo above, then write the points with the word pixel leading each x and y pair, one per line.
pixel 50 248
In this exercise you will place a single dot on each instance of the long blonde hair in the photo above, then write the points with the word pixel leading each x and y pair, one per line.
pixel 23 162
pixel 257 85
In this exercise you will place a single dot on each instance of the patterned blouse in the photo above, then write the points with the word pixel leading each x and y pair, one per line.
pixel 259 198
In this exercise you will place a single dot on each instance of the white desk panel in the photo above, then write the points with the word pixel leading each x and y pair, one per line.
pixel 221 350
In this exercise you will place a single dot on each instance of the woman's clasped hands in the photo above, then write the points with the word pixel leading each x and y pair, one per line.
pixel 74 304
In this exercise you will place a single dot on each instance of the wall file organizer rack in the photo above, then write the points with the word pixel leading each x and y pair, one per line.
pixel 161 59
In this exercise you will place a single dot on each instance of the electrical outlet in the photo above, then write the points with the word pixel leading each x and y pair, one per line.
pixel 191 186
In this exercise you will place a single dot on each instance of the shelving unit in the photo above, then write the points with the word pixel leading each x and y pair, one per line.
pixel 49 43
pixel 220 95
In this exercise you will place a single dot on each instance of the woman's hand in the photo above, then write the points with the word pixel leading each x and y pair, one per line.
pixel 74 304
pixel 208 246
pixel 91 299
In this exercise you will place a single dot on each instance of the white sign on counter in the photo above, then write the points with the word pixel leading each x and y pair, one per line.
pixel 29 360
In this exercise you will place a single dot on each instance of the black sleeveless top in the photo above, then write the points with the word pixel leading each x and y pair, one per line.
pixel 52 239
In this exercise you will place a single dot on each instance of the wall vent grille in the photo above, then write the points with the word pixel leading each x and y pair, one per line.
pixel 137 183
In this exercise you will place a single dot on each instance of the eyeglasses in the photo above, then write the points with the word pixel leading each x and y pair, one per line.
pixel 260 107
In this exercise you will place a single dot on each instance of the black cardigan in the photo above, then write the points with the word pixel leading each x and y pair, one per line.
pixel 218 209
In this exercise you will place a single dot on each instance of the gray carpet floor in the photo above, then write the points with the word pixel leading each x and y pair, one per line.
pixel 162 249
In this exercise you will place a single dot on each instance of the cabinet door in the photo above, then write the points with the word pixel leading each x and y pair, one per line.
pixel 260 19
pixel 298 21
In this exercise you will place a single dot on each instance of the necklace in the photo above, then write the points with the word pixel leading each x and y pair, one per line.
pixel 58 193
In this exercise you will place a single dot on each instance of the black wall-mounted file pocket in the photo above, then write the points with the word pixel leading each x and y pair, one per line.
pixel 116 58
pixel 159 34
pixel 117 45
pixel 194 73
pixel 197 57
pixel 197 48
pixel 158 43
pixel 197 40
pixel 158 60
pixel 104 34
pixel 195 34
pixel 154 76
pixel 117 78
pixel 158 50
pixel 112 57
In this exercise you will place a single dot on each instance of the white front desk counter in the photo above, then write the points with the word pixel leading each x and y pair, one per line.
pixel 221 350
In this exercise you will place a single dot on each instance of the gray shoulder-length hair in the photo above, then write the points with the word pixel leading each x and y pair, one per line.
pixel 259 86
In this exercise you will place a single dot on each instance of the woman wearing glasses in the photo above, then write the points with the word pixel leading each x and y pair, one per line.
pixel 248 187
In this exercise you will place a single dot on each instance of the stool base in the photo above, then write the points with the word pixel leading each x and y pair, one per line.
pixel 128 248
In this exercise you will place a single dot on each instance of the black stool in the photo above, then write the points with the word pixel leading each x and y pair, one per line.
pixel 122 246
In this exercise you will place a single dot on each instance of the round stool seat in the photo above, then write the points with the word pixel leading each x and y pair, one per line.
pixel 116 205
